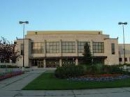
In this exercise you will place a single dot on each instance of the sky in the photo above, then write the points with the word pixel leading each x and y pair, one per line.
pixel 101 15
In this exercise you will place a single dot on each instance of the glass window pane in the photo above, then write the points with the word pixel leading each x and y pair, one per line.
pixel 52 47
pixel 98 47
pixel 68 47
pixel 37 47
pixel 81 46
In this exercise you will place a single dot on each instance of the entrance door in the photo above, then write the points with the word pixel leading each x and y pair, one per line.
pixel 68 61
pixel 38 62
pixel 52 63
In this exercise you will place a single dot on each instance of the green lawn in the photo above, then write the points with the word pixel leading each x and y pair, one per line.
pixel 47 81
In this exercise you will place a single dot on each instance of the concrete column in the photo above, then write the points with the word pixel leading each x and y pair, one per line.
pixel 91 46
pixel 60 61
pixel 44 48
pixel 26 52
pixel 60 47
pixel 44 63
pixel 76 61
pixel 76 47
pixel 92 52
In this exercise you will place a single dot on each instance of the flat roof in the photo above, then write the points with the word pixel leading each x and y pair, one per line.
pixel 63 32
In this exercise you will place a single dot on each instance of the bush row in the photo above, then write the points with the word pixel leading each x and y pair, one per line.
pixel 80 70
pixel 70 71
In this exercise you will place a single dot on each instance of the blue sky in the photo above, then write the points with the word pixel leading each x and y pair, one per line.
pixel 65 15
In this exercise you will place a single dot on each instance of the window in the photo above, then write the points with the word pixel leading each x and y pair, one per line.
pixel 68 47
pixel 81 46
pixel 112 48
pixel 37 47
pixel 120 59
pixel 98 47
pixel 125 59
pixel 52 47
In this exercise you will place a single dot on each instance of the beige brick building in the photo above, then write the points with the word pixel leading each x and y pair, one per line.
pixel 57 48
pixel 127 53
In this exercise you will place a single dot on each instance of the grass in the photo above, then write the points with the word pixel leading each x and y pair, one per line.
pixel 47 81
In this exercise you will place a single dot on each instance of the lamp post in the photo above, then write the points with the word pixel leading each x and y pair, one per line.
pixel 123 23
pixel 23 23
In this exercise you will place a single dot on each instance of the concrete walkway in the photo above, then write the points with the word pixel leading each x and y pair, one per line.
pixel 12 87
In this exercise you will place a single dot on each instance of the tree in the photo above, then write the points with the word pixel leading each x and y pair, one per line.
pixel 87 58
pixel 7 51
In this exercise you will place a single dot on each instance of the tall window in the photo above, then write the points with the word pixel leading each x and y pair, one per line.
pixel 68 47
pixel 125 59
pixel 112 48
pixel 98 47
pixel 120 59
pixel 52 47
pixel 81 46
pixel 37 47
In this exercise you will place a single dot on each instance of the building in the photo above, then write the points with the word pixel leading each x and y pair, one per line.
pixel 58 48
pixel 127 54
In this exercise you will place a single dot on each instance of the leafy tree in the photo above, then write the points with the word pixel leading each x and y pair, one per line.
pixel 87 58
pixel 7 51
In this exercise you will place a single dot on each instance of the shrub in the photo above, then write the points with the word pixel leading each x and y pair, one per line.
pixel 104 69
pixel 114 69
pixel 94 69
pixel 99 68
pixel 70 71
pixel 127 64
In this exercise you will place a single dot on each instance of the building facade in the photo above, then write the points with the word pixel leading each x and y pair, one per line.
pixel 125 59
pixel 57 48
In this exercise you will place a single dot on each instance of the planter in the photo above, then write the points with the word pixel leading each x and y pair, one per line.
pixel 10 74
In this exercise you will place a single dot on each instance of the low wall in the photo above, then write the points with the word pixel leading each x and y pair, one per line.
pixel 13 64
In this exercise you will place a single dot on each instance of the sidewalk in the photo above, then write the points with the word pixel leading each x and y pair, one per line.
pixel 12 87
